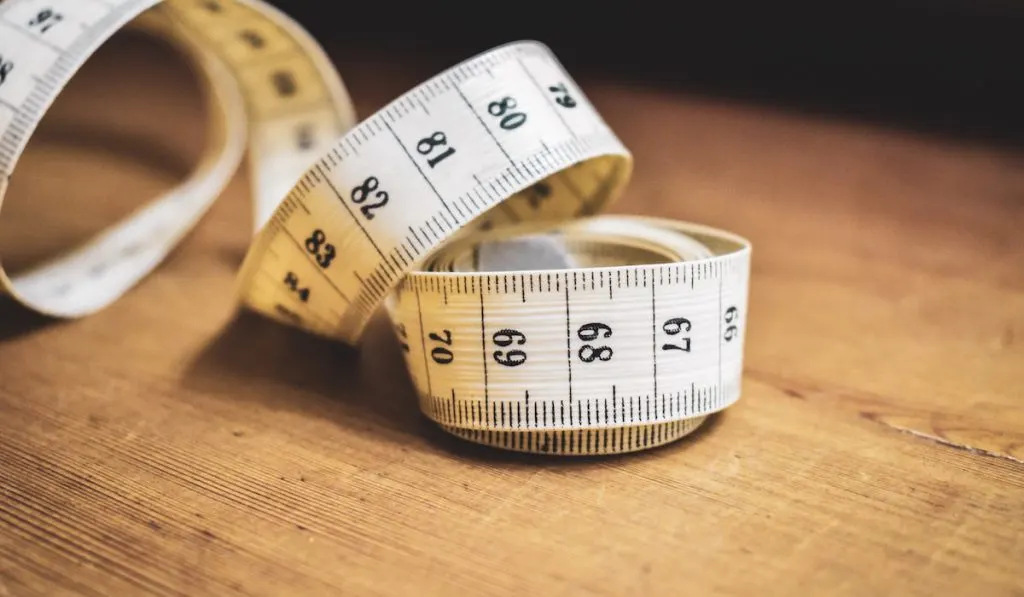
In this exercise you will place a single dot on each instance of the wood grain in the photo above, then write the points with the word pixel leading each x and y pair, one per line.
pixel 172 446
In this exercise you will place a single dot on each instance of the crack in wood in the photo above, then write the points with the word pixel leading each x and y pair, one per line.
pixel 879 409
pixel 944 441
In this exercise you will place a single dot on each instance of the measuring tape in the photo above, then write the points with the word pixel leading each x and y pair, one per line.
pixel 467 208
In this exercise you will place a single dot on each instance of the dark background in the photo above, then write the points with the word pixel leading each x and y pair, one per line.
pixel 938 66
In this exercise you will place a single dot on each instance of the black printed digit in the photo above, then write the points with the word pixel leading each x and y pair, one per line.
pixel 427 145
pixel 45 19
pixel 505 337
pixel 284 83
pixel 442 355
pixel 292 282
pixel 731 331
pixel 6 66
pixel 318 246
pixel 562 97
pixel 252 38
pixel 589 332
pixel 362 192
pixel 509 119
pixel 304 136
pixel 673 327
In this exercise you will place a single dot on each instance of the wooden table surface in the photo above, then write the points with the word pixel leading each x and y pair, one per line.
pixel 171 446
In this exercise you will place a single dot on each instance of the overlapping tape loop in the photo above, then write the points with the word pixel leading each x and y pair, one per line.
pixel 629 344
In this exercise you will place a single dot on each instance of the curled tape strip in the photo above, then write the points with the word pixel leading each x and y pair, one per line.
pixel 468 207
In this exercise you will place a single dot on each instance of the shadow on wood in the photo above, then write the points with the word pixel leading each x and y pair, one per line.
pixel 366 389
pixel 17 321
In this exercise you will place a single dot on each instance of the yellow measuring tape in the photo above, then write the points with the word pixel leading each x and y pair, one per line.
pixel 468 208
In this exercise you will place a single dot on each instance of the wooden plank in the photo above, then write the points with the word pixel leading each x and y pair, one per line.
pixel 171 446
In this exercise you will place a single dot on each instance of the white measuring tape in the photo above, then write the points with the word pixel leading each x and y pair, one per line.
pixel 467 207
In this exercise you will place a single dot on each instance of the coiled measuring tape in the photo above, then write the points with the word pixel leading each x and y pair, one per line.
pixel 468 208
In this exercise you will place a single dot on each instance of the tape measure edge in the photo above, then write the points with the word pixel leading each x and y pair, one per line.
pixel 742 252
pixel 514 440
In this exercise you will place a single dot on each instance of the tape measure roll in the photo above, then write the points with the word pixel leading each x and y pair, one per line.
pixel 592 359
pixel 629 344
